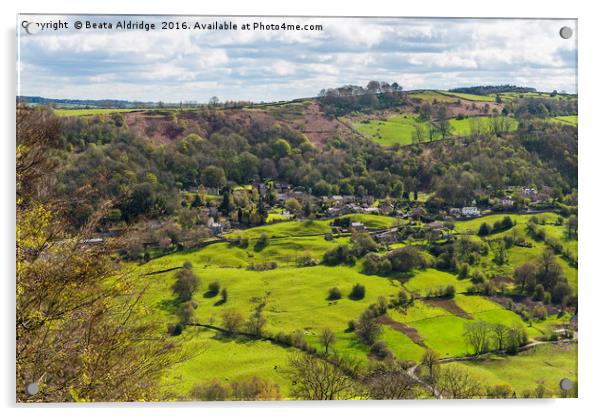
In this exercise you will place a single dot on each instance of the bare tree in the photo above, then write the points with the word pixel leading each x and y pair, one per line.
pixel 314 378
pixel 327 339
pixel 390 383
pixel 430 360
pixel 499 333
pixel 476 335
pixel 456 383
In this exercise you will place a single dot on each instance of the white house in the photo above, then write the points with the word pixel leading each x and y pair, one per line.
pixel 471 212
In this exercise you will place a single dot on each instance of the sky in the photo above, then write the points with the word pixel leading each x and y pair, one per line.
pixel 270 65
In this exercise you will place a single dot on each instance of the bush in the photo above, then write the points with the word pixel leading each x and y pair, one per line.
pixel 213 390
pixel 256 388
pixel 484 230
pixel 175 329
pixel 186 311
pixel 334 293
pixel 380 350
pixel 450 291
pixel 338 255
pixel 262 242
pixel 351 326
pixel 213 288
pixel 232 320
pixel 224 295
pixel 357 292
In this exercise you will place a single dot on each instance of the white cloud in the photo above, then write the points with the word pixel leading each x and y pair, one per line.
pixel 271 65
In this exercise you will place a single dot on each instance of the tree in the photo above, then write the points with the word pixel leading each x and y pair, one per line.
pixel 484 229
pixel 386 382
pixel 293 205
pixel 367 327
pixel 327 339
pixel 186 284
pixel 363 243
pixel 256 322
pixel 213 176
pixel 442 122
pixel 499 334
pixel 549 272
pixel 476 335
pixel 456 383
pixel 316 379
pixel 78 333
pixel 430 360
pixel 232 320
pixel 281 148
pixel 523 273
pixel 571 226
pixel 224 294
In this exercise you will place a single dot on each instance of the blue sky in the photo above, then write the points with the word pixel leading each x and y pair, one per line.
pixel 189 65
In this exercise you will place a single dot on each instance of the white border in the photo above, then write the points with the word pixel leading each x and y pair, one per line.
pixel 590 99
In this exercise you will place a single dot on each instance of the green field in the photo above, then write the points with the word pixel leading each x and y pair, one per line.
pixel 546 365
pixel 571 120
pixel 400 128
pixel 296 301
pixel 470 97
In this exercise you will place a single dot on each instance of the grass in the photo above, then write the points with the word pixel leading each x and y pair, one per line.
pixel 296 300
pixel 470 97
pixel 571 120
pixel 400 128
pixel 546 364
pixel 246 358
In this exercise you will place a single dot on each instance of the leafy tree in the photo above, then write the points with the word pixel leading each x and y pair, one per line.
pixel 186 284
pixel 213 176
pixel 367 327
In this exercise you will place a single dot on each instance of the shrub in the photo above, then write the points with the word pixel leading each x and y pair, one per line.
pixel 213 288
pixel 186 311
pixel 351 326
pixel 213 390
pixel 484 230
pixel 340 254
pixel 256 388
pixel 232 320
pixel 380 350
pixel 262 242
pixel 357 292
pixel 450 291
pixel 334 293
pixel 224 295
pixel 381 305
pixel 175 329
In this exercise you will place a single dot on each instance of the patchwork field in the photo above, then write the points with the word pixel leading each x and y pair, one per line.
pixel 296 300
